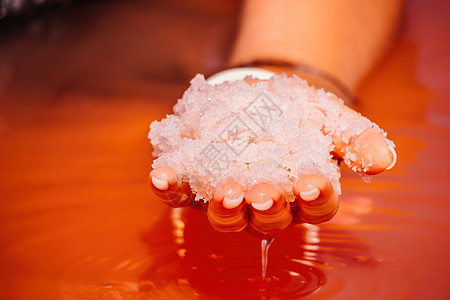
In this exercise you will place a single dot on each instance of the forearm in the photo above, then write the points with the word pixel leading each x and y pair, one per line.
pixel 343 38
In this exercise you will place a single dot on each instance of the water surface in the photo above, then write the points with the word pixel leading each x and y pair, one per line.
pixel 78 221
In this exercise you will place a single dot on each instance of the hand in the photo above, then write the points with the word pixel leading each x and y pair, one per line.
pixel 263 208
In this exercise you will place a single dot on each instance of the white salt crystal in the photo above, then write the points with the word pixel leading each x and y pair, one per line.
pixel 273 130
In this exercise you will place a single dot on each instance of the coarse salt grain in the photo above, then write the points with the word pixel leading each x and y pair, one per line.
pixel 274 130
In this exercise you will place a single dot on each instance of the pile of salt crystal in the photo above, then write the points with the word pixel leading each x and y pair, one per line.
pixel 273 130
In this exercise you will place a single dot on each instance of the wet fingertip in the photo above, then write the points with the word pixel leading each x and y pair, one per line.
pixel 270 212
pixel 309 187
pixel 317 199
pixel 230 194
pixel 228 214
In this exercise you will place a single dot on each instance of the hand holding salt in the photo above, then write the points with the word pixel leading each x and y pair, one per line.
pixel 262 154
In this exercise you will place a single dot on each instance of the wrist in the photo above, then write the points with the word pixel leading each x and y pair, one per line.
pixel 264 69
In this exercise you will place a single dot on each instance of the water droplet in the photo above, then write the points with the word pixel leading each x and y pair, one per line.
pixel 215 256
pixel 181 252
pixel 251 279
pixel 265 244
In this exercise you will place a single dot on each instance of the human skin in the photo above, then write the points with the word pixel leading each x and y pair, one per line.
pixel 263 208
pixel 342 38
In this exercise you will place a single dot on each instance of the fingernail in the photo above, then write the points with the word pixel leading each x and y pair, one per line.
pixel 160 184
pixel 263 206
pixel 394 160
pixel 310 195
pixel 232 203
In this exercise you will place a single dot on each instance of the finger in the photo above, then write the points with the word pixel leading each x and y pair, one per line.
pixel 165 185
pixel 369 152
pixel 318 199
pixel 227 211
pixel 270 212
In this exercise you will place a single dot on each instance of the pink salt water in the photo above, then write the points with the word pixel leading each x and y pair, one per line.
pixel 78 221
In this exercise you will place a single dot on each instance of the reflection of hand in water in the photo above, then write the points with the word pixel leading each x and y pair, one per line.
pixel 265 208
